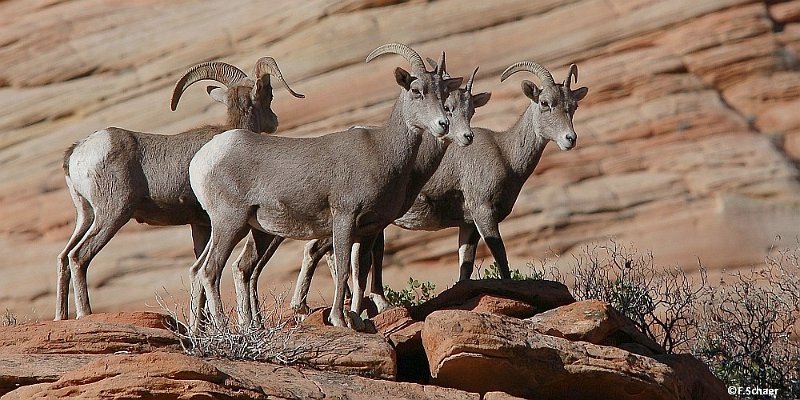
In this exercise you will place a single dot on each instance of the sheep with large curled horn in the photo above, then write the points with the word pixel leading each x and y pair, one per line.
pixel 115 174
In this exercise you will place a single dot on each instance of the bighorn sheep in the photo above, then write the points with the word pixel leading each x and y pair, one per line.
pixel 349 185
pixel 116 174
pixel 477 196
pixel 460 105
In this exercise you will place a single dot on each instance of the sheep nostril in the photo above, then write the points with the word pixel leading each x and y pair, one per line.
pixel 444 123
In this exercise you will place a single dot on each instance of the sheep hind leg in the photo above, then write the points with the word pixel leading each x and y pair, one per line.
pixel 342 247
pixel 361 261
pixel 107 221
pixel 200 236
pixel 467 245
pixel 490 231
pixel 266 245
pixel 219 249
pixel 313 252
pixel 376 289
pixel 83 221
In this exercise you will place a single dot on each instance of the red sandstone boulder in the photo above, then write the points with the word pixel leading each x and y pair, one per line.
pixel 484 353
pixel 525 297
pixel 595 322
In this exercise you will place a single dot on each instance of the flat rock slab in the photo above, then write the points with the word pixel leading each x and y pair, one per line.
pixel 84 337
pixel 177 376
pixel 541 295
pixel 18 370
pixel 346 351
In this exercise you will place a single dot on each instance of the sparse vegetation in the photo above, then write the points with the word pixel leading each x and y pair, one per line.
pixel 743 328
pixel 272 341
pixel 9 319
pixel 414 294
pixel 746 330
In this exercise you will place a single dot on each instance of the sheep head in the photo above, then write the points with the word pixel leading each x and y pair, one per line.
pixel 248 99
pixel 553 104
pixel 421 101
pixel 460 105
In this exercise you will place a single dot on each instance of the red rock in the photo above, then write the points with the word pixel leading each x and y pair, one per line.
pixel 539 294
pixel 144 319
pixel 84 337
pixel 345 351
pixel 699 381
pixel 485 352
pixel 27 369
pixel 392 320
pixel 487 303
pixel 154 375
pixel 593 321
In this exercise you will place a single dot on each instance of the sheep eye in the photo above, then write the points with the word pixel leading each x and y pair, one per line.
pixel 416 92
pixel 545 104
pixel 446 108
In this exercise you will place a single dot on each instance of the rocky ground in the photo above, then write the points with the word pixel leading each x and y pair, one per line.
pixel 482 339
pixel 688 140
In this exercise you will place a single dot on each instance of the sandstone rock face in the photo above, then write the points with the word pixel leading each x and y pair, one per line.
pixel 346 351
pixel 484 352
pixel 687 144
pixel 84 337
pixel 452 354
pixel 154 375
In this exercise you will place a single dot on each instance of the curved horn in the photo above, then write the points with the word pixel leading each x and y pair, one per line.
pixel 267 65
pixel 398 48
pixel 221 72
pixel 471 80
pixel 573 73
pixel 529 66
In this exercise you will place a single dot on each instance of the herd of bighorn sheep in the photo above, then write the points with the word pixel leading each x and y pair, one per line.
pixel 339 190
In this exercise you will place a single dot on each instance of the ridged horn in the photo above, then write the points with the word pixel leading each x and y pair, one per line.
pixel 267 65
pixel 221 72
pixel 573 73
pixel 529 66
pixel 398 48
pixel 471 80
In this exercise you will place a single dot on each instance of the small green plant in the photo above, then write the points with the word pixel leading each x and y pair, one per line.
pixel 414 294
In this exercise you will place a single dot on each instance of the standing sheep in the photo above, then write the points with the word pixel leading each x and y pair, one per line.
pixel 116 174
pixel 476 187
pixel 349 185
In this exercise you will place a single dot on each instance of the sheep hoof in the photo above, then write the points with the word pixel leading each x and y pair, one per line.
pixel 380 302
pixel 355 322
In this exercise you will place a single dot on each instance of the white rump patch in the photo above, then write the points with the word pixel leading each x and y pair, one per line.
pixel 87 159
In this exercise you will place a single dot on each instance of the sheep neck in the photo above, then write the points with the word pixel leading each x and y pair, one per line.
pixel 524 144
pixel 401 141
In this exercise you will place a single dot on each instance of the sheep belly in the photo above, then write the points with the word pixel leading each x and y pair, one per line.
pixel 284 221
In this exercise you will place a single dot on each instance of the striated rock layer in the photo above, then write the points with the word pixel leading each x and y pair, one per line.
pixel 688 140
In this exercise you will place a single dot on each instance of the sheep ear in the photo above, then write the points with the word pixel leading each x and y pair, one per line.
pixel 580 93
pixel 403 78
pixel 218 94
pixel 452 84
pixel 480 99
pixel 530 90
